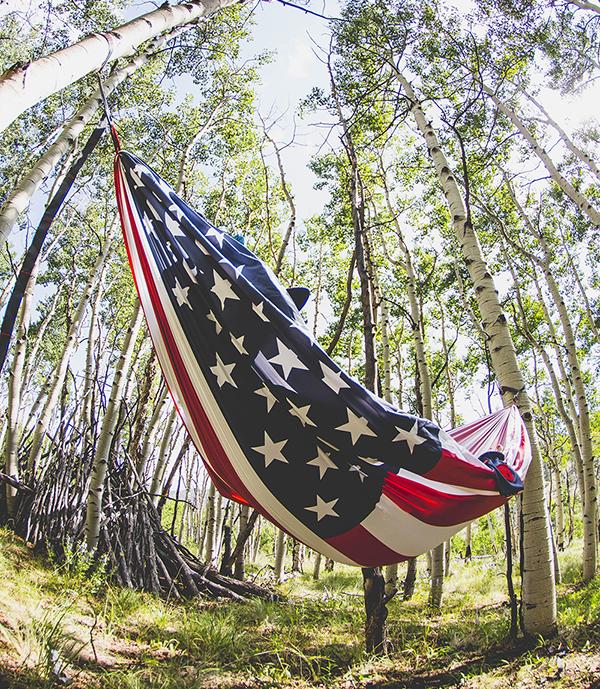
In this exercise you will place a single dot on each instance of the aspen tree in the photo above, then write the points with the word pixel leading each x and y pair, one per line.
pixel 576 196
pixel 583 410
pixel 416 323
pixel 53 387
pixel 538 592
pixel 209 543
pixel 107 431
pixel 25 86
pixel 564 137
pixel 20 197
pixel 163 456
pixel 280 548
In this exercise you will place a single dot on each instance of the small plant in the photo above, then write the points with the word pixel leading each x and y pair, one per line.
pixel 44 646
pixel 80 568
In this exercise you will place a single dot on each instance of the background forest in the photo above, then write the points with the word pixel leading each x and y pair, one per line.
pixel 451 249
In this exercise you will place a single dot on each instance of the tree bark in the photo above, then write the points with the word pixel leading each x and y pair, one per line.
pixel 538 593
pixel 21 195
pixel 279 555
pixel 32 254
pixel 109 424
pixel 23 87
pixel 584 424
pixel 576 196
pixel 56 380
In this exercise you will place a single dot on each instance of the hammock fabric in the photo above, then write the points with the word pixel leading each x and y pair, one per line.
pixel 280 427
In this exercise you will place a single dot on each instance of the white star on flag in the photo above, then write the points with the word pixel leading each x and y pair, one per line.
pixel 222 288
pixel 222 372
pixel 238 343
pixel 258 309
pixel 217 234
pixel 411 437
pixel 173 226
pixel 139 169
pixel 287 359
pixel 370 460
pixel 211 317
pixel 356 426
pixel 268 395
pixel 323 461
pixel 174 208
pixel 147 223
pixel 136 175
pixel 272 450
pixel 332 378
pixel 359 471
pixel 323 509
pixel 301 413
pixel 181 294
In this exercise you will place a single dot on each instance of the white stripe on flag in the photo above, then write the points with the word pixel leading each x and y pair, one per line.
pixel 403 533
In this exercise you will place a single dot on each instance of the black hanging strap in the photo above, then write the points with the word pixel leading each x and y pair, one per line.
pixel 113 132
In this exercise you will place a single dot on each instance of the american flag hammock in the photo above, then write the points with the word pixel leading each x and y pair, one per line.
pixel 279 425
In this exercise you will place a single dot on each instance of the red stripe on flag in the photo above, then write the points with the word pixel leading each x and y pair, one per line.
pixel 435 507
pixel 454 471
pixel 361 546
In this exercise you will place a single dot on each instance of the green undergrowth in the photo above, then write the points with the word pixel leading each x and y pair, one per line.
pixel 66 623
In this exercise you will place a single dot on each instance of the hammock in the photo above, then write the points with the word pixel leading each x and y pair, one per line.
pixel 279 425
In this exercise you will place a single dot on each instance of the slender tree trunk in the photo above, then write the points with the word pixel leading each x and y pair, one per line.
pixel 538 592
pixel 146 448
pixel 279 555
pixel 209 544
pixel 410 580
pixel 317 566
pixel 584 425
pixel 576 196
pixel 290 202
pixel 21 195
pixel 56 380
pixel 373 581
pixel 23 87
pixel 242 539
pixel 468 536
pixel 584 5
pixel 15 384
pixel 60 189
pixel 564 137
pixel 163 457
pixel 107 432
pixel 560 515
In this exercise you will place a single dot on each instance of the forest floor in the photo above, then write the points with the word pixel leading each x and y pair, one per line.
pixel 62 621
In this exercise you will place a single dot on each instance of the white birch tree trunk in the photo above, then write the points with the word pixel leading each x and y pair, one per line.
pixel 585 5
pixel 209 542
pixel 590 535
pixel 577 197
pixel 19 198
pixel 279 555
pixel 538 591
pixel 564 137
pixel 26 86
pixel 56 380
pixel 163 457
pixel 15 386
pixel 107 431
pixel 560 514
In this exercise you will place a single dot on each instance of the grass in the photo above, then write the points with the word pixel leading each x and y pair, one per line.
pixel 62 621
